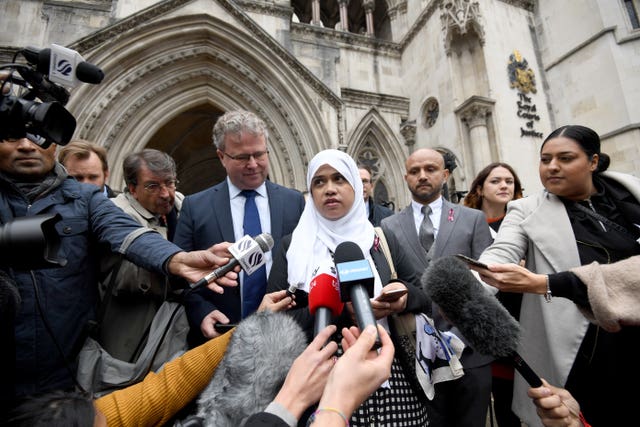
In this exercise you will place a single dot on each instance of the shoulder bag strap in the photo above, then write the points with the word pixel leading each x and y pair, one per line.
pixel 387 253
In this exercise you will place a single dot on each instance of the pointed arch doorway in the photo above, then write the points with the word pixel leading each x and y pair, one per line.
pixel 187 137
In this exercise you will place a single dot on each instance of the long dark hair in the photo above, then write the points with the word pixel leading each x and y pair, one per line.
pixel 587 139
pixel 473 199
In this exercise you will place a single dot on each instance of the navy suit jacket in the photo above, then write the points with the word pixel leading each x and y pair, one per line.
pixel 205 219
pixel 462 230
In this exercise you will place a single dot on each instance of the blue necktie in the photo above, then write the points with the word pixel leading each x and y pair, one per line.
pixel 255 285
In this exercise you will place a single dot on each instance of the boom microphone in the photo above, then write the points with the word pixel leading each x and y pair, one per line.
pixel 247 252
pixel 324 298
pixel 356 283
pixel 483 321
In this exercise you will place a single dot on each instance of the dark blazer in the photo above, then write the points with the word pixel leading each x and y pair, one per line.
pixel 377 212
pixel 462 231
pixel 205 219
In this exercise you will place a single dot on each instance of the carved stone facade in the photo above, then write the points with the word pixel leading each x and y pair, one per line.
pixel 376 78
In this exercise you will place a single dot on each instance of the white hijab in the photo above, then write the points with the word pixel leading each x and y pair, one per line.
pixel 315 237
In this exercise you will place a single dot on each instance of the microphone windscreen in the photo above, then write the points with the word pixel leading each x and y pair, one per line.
pixel 462 299
pixel 324 291
pixel 254 367
pixel 265 241
pixel 347 251
pixel 89 73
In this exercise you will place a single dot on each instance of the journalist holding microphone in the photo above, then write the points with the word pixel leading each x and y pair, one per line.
pixel 334 215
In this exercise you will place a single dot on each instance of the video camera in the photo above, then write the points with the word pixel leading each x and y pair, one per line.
pixel 45 77
pixel 33 235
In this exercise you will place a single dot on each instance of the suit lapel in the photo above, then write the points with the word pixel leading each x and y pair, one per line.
pixel 275 210
pixel 448 218
pixel 222 208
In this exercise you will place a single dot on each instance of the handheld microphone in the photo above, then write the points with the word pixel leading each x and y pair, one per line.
pixel 64 66
pixel 247 252
pixel 324 297
pixel 481 318
pixel 356 283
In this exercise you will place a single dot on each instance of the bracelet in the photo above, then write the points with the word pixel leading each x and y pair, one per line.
pixel 312 418
pixel 547 295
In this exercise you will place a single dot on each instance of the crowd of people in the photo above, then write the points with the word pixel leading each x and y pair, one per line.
pixel 563 262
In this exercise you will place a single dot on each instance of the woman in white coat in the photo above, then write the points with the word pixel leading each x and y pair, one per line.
pixel 583 215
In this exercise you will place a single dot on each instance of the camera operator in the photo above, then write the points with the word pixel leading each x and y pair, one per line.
pixel 58 303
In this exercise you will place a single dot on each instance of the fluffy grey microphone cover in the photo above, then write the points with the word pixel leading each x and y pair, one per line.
pixel 259 355
pixel 481 318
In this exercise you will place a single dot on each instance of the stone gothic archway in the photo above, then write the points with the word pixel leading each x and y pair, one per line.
pixel 373 143
pixel 161 71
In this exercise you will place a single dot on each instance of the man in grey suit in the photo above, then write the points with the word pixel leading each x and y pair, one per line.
pixel 414 241
pixel 218 214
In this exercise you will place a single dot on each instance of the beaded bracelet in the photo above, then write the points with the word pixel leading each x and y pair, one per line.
pixel 312 418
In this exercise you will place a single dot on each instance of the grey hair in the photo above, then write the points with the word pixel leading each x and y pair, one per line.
pixel 236 122
pixel 158 162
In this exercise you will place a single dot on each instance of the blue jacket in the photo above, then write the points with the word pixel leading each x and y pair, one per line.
pixel 91 225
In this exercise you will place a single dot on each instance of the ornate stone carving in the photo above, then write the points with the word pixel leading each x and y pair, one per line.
pixel 457 17
pixel 301 31
pixel 430 112
pixel 408 132
pixel 474 111
pixel 265 8
pixel 102 5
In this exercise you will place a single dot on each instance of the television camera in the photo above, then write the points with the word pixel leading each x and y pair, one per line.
pixel 33 94
pixel 32 99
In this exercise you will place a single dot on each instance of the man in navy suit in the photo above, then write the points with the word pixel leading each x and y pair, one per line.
pixel 455 230
pixel 217 214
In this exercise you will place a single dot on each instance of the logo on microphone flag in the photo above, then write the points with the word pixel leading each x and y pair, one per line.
pixel 248 253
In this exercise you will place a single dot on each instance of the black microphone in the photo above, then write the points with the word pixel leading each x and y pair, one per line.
pixel 248 253
pixel 356 283
pixel 481 318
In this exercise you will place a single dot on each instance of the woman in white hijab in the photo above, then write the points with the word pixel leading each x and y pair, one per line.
pixel 335 213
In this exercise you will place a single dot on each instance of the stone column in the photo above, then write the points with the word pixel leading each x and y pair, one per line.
pixel 344 15
pixel 474 114
pixel 369 6
pixel 315 12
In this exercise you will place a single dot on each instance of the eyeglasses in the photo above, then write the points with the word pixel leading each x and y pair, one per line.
pixel 155 187
pixel 244 158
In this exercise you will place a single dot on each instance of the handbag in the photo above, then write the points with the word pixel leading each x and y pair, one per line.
pixel 100 373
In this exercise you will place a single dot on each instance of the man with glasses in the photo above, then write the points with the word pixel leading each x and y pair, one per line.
pixel 244 203
pixel 375 211
pixel 131 294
